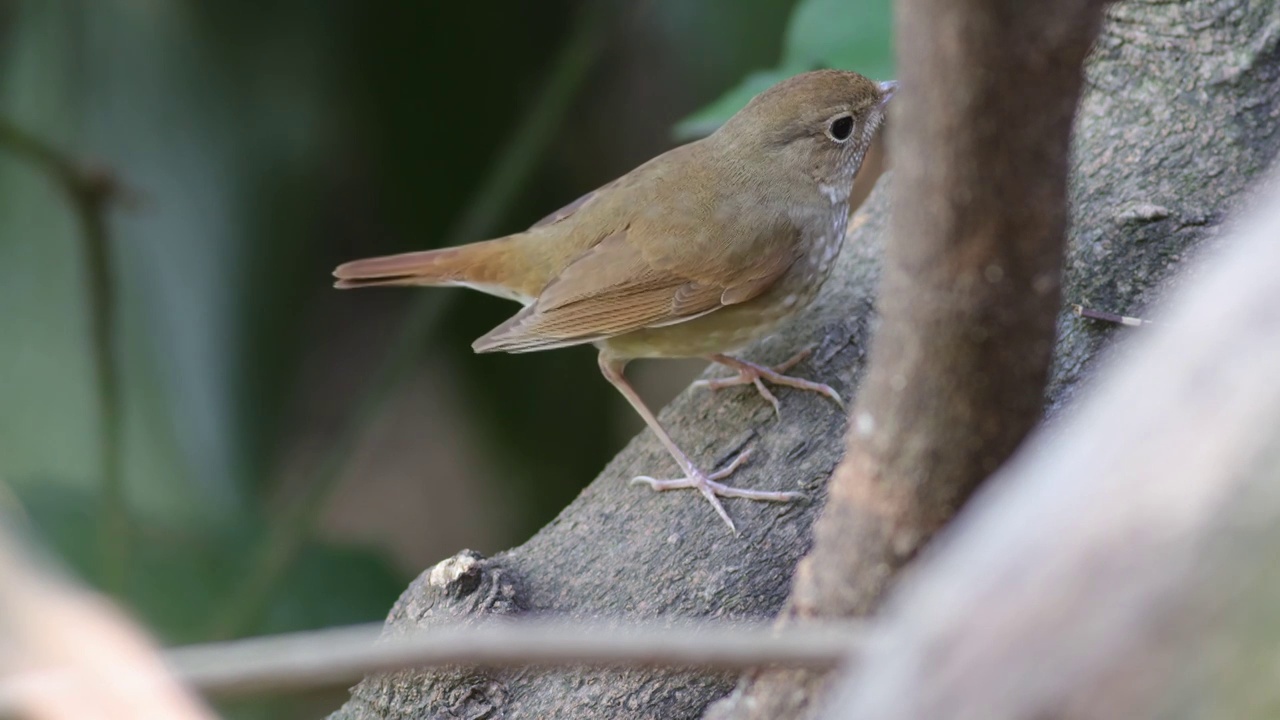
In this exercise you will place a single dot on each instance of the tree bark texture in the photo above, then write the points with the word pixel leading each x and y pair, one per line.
pixel 971 289
pixel 1179 117
pixel 1126 565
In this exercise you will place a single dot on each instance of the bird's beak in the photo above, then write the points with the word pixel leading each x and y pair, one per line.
pixel 887 89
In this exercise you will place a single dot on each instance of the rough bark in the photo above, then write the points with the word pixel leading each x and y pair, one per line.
pixel 1125 566
pixel 971 290
pixel 1178 118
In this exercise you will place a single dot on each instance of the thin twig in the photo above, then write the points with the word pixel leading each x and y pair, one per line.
pixel 482 215
pixel 90 191
pixel 323 658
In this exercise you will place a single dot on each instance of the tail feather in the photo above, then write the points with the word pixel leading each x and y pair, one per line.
pixel 480 266
pixel 427 267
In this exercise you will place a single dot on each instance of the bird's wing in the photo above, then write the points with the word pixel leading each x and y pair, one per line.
pixel 620 285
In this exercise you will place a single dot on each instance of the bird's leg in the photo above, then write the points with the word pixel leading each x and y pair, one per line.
pixel 707 484
pixel 752 374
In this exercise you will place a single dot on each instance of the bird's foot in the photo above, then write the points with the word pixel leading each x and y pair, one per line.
pixel 752 374
pixel 712 490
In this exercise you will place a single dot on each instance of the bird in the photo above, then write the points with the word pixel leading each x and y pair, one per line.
pixel 693 254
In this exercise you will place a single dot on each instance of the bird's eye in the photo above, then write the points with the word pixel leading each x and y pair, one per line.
pixel 841 128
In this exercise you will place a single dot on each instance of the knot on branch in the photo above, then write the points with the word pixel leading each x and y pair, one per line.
pixel 467 587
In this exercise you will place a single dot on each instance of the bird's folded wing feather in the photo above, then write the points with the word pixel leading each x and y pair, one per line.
pixel 618 287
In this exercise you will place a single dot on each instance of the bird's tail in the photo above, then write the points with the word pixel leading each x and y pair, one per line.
pixel 482 266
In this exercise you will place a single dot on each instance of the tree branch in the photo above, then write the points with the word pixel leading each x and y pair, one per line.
pixel 1124 564
pixel 980 139
pixel 972 280
pixel 91 190
pixel 324 658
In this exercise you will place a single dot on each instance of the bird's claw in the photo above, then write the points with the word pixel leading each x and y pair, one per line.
pixel 710 487
pixel 753 374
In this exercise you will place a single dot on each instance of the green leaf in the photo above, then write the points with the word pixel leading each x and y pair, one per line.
pixel 845 34
pixel 706 120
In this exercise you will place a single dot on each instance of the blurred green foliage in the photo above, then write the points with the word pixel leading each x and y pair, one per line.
pixel 843 34
pixel 265 142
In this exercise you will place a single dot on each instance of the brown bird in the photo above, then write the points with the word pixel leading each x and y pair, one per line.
pixel 693 254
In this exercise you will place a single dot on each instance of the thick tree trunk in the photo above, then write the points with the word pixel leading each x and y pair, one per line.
pixel 1179 116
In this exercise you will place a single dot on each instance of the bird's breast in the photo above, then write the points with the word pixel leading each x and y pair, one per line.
pixel 735 326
